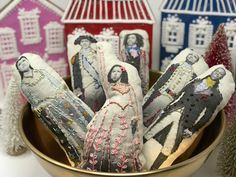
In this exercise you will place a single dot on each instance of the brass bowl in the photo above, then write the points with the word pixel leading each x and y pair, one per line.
pixel 54 160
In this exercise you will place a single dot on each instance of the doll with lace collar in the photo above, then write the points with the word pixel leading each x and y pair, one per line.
pixel 114 139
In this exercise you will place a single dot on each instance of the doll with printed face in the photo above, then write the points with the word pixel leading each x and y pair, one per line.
pixel 65 115
pixel 133 43
pixel 85 79
pixel 114 139
pixel 193 109
pixel 185 67
pixel 133 52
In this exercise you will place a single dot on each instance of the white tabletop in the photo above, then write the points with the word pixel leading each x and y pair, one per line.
pixel 26 165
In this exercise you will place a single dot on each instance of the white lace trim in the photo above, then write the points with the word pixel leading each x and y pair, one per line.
pixel 108 35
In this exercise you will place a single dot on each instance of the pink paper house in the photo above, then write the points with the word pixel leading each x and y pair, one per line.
pixel 31 26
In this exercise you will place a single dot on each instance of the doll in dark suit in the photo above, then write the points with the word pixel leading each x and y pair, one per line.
pixel 85 80
pixel 169 85
pixel 192 109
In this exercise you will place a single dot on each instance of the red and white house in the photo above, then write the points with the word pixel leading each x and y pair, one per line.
pixel 108 18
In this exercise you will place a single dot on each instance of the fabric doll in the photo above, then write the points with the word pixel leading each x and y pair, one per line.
pixel 186 116
pixel 183 68
pixel 64 114
pixel 114 138
pixel 83 66
pixel 135 51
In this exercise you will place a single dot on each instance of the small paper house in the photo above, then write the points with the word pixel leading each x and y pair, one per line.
pixel 30 26
pixel 105 19
pixel 193 23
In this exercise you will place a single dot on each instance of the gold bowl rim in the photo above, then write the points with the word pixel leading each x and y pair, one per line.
pixel 67 167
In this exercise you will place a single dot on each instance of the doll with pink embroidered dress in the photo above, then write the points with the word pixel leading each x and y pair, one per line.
pixel 114 138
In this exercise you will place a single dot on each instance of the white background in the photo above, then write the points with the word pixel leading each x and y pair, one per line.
pixel 26 165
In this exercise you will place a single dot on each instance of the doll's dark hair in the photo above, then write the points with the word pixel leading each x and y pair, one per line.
pixel 123 77
pixel 21 72
pixel 80 38
pixel 139 39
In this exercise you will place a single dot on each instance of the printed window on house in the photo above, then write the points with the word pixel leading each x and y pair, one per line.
pixel 172 36
pixel 230 29
pixel 29 23
pixel 200 39
pixel 54 38
pixel 231 39
pixel 8 47
pixel 173 33
pixel 200 36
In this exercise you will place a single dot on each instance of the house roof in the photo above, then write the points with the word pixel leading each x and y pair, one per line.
pixel 108 11
pixel 9 5
pixel 200 7
pixel 52 4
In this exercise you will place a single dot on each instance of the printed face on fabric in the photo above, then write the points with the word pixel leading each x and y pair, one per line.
pixel 85 43
pixel 23 64
pixel 116 73
pixel 218 74
pixel 132 39
pixel 192 58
